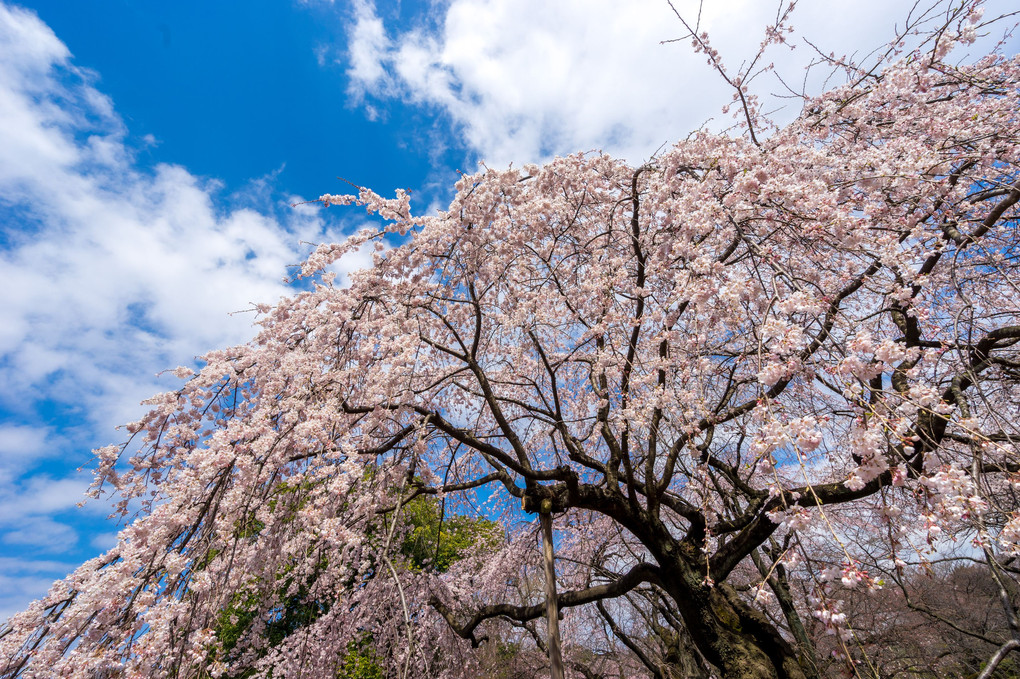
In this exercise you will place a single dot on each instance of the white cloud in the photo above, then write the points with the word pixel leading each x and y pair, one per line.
pixel 38 496
pixel 19 577
pixel 111 273
pixel 104 541
pixel 41 531
pixel 367 50
pixel 527 79
pixel 21 446
pixel 116 272
pixel 13 588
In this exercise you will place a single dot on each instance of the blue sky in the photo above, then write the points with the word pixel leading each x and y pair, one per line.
pixel 150 154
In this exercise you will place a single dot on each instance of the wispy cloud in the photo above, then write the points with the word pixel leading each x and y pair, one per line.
pixel 21 447
pixel 112 272
pixel 21 576
pixel 527 79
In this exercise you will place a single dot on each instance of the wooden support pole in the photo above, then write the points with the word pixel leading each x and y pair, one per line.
pixel 552 612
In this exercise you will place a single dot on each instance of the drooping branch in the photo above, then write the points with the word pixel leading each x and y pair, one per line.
pixel 641 573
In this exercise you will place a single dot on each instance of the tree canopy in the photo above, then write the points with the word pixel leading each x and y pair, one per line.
pixel 715 369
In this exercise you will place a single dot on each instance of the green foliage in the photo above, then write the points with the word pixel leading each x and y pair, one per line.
pixel 432 541
pixel 360 662
pixel 235 619
pixel 293 614
pixel 1007 669
pixel 436 541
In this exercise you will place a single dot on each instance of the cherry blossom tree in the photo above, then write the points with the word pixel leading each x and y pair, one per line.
pixel 697 367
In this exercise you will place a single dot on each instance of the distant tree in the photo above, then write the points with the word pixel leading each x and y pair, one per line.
pixel 724 354
pixel 928 623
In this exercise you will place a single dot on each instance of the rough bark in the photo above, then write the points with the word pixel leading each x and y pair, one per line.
pixel 737 639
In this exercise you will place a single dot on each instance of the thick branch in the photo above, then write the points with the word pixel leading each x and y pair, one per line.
pixel 640 573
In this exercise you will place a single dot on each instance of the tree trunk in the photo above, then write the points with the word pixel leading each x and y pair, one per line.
pixel 733 636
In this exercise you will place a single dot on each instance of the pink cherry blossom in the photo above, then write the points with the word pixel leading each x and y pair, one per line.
pixel 749 340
